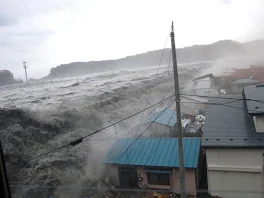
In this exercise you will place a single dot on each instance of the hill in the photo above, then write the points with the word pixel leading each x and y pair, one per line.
pixel 197 53
pixel 7 78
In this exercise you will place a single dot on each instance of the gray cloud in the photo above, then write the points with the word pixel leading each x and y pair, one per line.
pixel 5 20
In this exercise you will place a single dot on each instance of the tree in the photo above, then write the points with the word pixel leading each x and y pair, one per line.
pixel 7 78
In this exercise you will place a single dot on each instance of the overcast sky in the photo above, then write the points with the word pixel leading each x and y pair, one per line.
pixel 52 32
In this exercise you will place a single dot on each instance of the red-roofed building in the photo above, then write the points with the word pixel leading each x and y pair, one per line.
pixel 250 73
pixel 241 74
pixel 258 74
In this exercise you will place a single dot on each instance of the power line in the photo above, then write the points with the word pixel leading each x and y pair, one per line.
pixel 63 176
pixel 217 97
pixel 132 144
pixel 79 140
pixel 154 80
pixel 220 104
pixel 160 138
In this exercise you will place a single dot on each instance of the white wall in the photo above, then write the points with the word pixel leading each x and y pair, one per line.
pixel 205 87
pixel 238 170
pixel 203 83
pixel 259 123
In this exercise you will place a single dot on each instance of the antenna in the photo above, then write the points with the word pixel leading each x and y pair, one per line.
pixel 25 67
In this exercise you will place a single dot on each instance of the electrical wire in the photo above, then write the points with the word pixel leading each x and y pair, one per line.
pixel 157 146
pixel 108 138
pixel 153 81
pixel 79 140
pixel 221 104
pixel 131 144
pixel 74 174
pixel 216 97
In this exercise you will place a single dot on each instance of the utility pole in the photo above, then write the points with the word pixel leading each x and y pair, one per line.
pixel 25 67
pixel 4 186
pixel 178 108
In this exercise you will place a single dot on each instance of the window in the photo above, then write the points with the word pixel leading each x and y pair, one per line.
pixel 195 83
pixel 159 178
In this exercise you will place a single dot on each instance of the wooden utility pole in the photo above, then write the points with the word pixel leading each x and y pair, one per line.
pixel 25 67
pixel 4 186
pixel 178 108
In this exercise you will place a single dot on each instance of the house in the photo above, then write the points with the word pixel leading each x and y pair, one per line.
pixel 164 123
pixel 238 85
pixel 258 74
pixel 154 163
pixel 206 85
pixel 233 139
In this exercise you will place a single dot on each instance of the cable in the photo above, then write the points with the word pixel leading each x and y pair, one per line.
pixel 79 140
pixel 107 138
pixel 221 104
pixel 160 138
pixel 153 81
pixel 132 144
pixel 260 101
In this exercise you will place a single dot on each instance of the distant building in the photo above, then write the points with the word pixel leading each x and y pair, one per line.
pixel 253 73
pixel 234 142
pixel 154 163
pixel 206 85
pixel 238 85
pixel 164 123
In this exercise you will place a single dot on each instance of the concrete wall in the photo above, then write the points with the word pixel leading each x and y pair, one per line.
pixel 259 123
pixel 174 180
pixel 235 172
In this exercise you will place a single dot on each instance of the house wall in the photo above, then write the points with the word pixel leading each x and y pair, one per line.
pixel 205 86
pixel 203 83
pixel 190 181
pixel 259 123
pixel 235 172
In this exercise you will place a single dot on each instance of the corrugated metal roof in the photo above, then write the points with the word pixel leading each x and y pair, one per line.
pixel 255 92
pixel 168 117
pixel 230 126
pixel 155 152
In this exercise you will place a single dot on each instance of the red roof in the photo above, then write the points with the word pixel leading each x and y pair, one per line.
pixel 241 73
pixel 256 73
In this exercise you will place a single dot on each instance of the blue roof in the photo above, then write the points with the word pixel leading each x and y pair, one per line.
pixel 168 117
pixel 155 152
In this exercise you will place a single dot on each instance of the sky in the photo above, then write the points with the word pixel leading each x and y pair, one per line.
pixel 52 32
